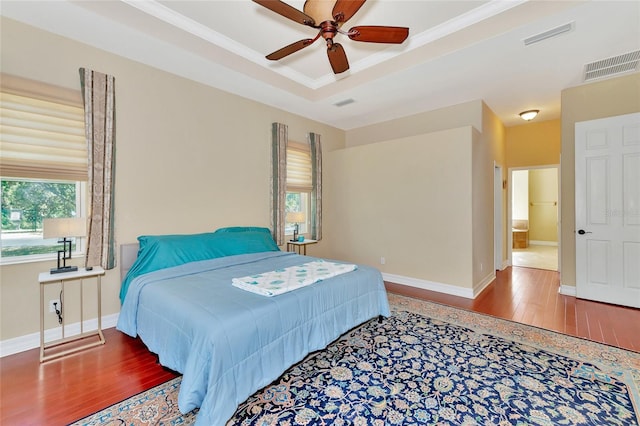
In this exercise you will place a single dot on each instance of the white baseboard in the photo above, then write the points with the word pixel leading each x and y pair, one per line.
pixel 567 290
pixel 479 287
pixel 31 341
pixel 505 264
pixel 432 286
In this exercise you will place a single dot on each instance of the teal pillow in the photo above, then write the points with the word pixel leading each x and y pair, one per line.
pixel 244 229
pixel 164 251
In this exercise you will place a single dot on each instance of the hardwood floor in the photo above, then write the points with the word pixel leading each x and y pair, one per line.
pixel 530 296
pixel 61 391
pixel 66 389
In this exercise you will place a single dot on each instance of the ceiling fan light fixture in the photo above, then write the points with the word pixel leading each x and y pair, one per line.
pixel 327 17
pixel 529 114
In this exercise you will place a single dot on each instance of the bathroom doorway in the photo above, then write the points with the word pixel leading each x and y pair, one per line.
pixel 534 214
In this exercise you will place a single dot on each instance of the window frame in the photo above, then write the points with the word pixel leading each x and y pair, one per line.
pixel 81 211
pixel 304 228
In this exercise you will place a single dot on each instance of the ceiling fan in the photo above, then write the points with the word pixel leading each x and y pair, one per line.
pixel 331 15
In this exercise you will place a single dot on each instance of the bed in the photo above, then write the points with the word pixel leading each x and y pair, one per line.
pixel 227 342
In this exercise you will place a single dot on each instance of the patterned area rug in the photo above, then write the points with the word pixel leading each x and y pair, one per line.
pixel 430 364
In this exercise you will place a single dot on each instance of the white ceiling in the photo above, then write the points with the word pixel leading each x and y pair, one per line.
pixel 457 51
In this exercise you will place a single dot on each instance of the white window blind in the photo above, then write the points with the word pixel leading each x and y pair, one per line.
pixel 42 132
pixel 299 170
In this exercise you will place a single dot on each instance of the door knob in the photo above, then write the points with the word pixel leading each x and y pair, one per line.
pixel 582 232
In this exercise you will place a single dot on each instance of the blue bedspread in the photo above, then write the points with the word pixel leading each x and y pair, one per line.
pixel 227 342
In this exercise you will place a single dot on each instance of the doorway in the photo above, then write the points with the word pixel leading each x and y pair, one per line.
pixel 534 217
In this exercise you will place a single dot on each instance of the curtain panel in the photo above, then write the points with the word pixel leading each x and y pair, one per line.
pixel 98 92
pixel 316 193
pixel 279 137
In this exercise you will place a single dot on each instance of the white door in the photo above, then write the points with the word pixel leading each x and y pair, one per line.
pixel 608 210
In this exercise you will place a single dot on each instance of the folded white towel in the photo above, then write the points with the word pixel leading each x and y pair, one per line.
pixel 283 280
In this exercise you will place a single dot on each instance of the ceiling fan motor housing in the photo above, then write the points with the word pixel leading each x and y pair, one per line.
pixel 328 30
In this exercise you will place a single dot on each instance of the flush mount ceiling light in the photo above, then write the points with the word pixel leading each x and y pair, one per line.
pixel 530 114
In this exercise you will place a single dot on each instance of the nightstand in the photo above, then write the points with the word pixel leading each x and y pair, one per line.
pixel 81 275
pixel 299 246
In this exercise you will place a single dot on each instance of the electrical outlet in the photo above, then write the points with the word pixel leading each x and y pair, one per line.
pixel 52 308
pixel 383 260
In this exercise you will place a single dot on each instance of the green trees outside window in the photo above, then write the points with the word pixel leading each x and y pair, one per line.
pixel 25 203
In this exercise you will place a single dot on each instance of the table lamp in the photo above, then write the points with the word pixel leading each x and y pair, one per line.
pixel 61 229
pixel 295 218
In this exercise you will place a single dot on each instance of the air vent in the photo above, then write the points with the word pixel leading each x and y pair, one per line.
pixel 345 102
pixel 612 66
pixel 548 34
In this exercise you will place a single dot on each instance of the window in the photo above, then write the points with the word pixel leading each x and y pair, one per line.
pixel 298 202
pixel 44 164
pixel 299 185
pixel 25 204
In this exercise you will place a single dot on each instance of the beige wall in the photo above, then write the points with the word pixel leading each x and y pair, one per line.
pixel 488 151
pixel 466 114
pixel 543 213
pixel 533 144
pixel 408 200
pixel 607 98
pixel 189 158
pixel 424 201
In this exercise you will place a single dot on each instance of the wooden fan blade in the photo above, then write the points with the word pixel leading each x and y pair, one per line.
pixel 287 11
pixel 378 34
pixel 345 9
pixel 292 48
pixel 337 58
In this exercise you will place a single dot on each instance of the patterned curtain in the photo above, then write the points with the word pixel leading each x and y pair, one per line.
pixel 279 137
pixel 98 92
pixel 316 194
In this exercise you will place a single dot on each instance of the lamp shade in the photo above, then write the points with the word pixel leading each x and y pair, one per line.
pixel 295 217
pixel 64 227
